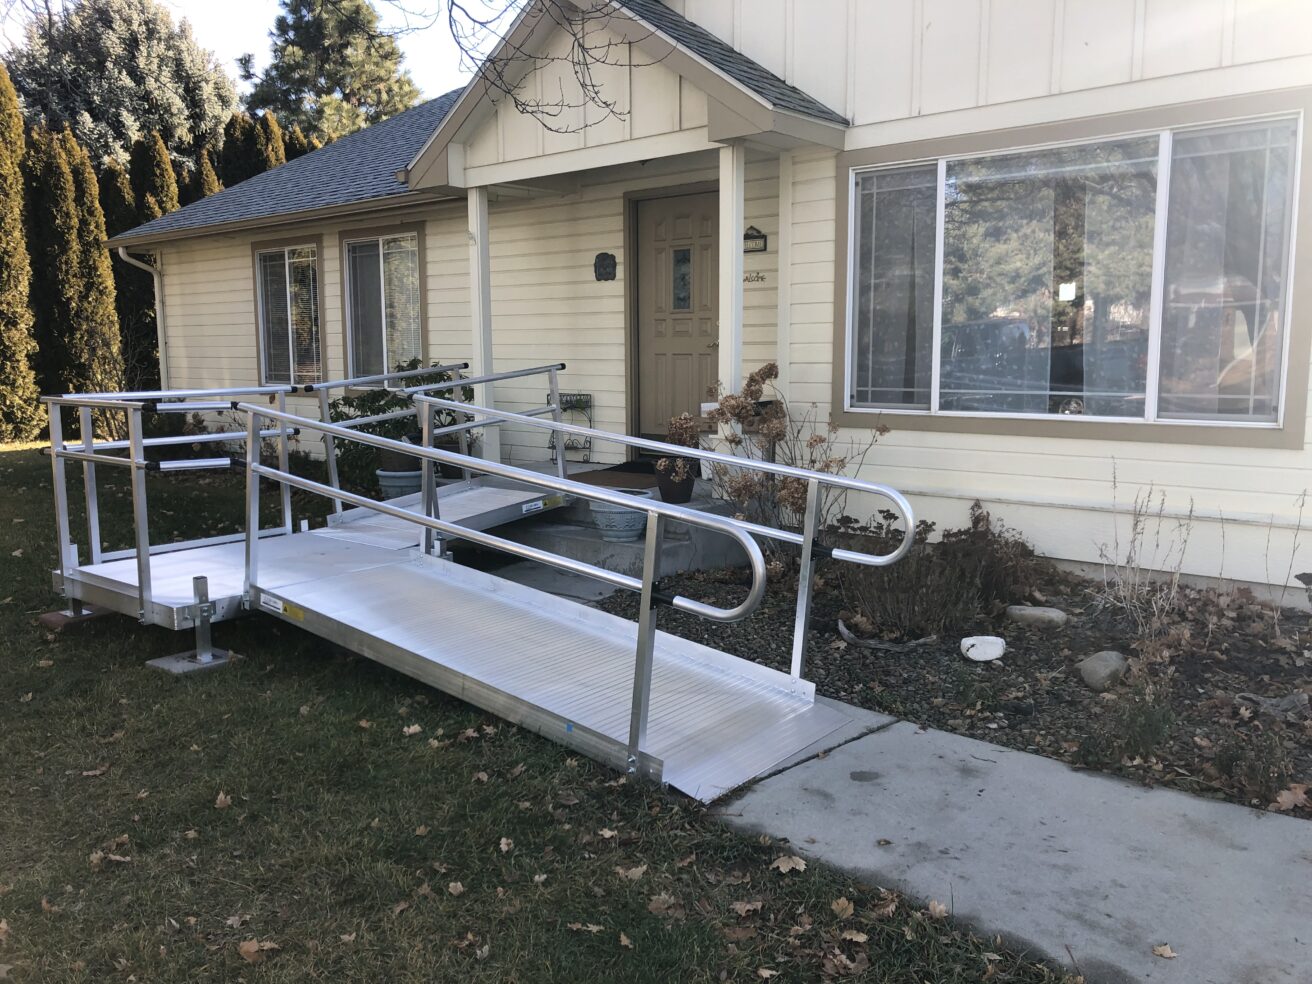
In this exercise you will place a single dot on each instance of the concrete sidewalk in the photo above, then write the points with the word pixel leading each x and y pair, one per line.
pixel 1087 870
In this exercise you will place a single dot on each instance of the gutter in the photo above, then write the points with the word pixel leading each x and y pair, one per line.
pixel 158 277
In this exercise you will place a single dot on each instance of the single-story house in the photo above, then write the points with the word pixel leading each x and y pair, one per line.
pixel 1049 243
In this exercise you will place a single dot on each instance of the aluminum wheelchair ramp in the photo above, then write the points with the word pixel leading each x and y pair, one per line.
pixel 563 669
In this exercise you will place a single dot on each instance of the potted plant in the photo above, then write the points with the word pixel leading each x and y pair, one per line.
pixel 394 473
pixel 676 476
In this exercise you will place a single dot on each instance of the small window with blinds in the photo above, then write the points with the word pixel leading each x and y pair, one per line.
pixel 288 284
pixel 384 324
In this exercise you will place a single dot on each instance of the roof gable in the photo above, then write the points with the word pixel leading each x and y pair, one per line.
pixel 358 168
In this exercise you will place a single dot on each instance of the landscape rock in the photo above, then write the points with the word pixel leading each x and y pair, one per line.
pixel 983 649
pixel 1040 617
pixel 1103 670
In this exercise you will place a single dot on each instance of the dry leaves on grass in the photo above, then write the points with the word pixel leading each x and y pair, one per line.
pixel 745 909
pixel 843 908
pixel 787 863
pixel 1165 952
pixel 1288 799
pixel 631 874
pixel 412 729
pixel 626 942
pixel 507 845
pixel 455 888
pixel 665 905
pixel 585 927
pixel 254 951
pixel 222 801
pixel 937 910
pixel 4 930
pixel 854 936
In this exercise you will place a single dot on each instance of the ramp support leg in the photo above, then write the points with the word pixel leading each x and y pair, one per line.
pixel 204 656
pixel 646 650
pixel 805 578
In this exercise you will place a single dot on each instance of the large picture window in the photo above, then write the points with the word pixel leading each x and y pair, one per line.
pixel 288 284
pixel 383 311
pixel 1138 278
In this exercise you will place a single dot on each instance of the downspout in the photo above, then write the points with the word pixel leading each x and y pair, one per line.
pixel 158 277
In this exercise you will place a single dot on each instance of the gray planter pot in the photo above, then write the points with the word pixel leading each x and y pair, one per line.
pixel 620 524
pixel 394 484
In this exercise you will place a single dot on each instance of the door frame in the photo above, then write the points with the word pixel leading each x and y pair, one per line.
pixel 632 377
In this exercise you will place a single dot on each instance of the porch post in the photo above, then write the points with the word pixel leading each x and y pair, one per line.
pixel 480 308
pixel 733 166
pixel 783 355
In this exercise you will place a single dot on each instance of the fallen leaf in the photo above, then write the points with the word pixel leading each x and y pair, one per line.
pixel 482 952
pixel 746 908
pixel 1288 799
pixel 412 729
pixel 517 771
pixel 421 831
pixel 665 905
pixel 99 770
pixel 886 905
pixel 480 777
pixel 684 862
pixel 47 907
pixel 347 937
pixel 253 951
pixel 787 863
pixel 937 910
pixel 222 801
pixel 739 934
pixel 765 973
pixel 506 845
pixel 400 907
pixel 854 936
pixel 631 874
pixel 455 888
pixel 606 833
pixel 626 942
pixel 585 927
pixel 4 930
pixel 17 553
pixel 1165 952
pixel 237 921
pixel 843 908
pixel 539 879
pixel 366 725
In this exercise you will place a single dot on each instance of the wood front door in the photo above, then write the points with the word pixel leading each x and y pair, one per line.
pixel 678 308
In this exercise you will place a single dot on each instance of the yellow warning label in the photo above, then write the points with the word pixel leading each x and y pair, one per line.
pixel 295 612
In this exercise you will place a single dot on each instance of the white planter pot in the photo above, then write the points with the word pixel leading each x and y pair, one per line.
pixel 394 484
pixel 621 523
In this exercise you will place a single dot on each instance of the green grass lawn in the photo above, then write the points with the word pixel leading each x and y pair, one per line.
pixel 273 821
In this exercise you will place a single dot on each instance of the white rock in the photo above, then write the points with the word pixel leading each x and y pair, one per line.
pixel 1103 670
pixel 983 649
pixel 1043 618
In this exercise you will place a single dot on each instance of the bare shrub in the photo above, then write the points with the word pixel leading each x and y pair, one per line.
pixel 937 588
pixel 1135 730
pixel 1258 764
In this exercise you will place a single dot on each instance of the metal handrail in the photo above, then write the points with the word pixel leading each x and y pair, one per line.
pixel 491 377
pixel 381 377
pixel 652 507
pixel 178 394
pixel 676 450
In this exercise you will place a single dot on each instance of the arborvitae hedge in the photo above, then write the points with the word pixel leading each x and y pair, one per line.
pixel 20 413
pixel 151 172
pixel 271 141
pixel 294 143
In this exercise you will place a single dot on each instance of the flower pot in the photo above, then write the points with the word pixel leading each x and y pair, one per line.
pixel 394 484
pixel 676 490
pixel 620 524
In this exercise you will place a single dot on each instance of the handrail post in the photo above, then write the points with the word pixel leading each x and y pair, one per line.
pixel 646 648
pixel 463 437
pixel 252 504
pixel 283 465
pixel 89 485
pixel 553 397
pixel 140 518
pixel 805 577
pixel 67 552
pixel 329 447
pixel 429 483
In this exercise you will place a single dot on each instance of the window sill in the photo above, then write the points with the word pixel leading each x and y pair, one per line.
pixel 1218 433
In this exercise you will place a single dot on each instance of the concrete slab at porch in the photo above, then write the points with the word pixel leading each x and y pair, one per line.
pixel 1087 869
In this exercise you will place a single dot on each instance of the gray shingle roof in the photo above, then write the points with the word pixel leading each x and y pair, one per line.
pixel 733 63
pixel 357 168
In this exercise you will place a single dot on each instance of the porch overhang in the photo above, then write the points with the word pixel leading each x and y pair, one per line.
pixel 735 115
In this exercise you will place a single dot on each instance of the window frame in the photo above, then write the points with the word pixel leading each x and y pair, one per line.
pixel 1164 123
pixel 379 233
pixel 284 246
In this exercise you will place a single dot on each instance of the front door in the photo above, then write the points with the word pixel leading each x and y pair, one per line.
pixel 678 308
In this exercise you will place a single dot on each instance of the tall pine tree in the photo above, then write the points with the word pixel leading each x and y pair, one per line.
pixel 242 156
pixel 20 413
pixel 135 289
pixel 94 342
pixel 333 69
pixel 294 143
pixel 154 185
pixel 275 152
pixel 53 242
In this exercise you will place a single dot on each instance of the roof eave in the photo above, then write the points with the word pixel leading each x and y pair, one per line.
pixel 382 204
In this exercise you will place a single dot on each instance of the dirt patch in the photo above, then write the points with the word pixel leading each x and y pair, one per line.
pixel 1177 720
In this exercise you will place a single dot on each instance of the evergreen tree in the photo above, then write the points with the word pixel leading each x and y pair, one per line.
pixel 185 177
pixel 271 140
pixel 294 143
pixel 151 174
pixel 20 413
pixel 207 182
pixel 52 241
pixel 242 156
pixel 114 70
pixel 93 342
pixel 333 71
pixel 134 288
